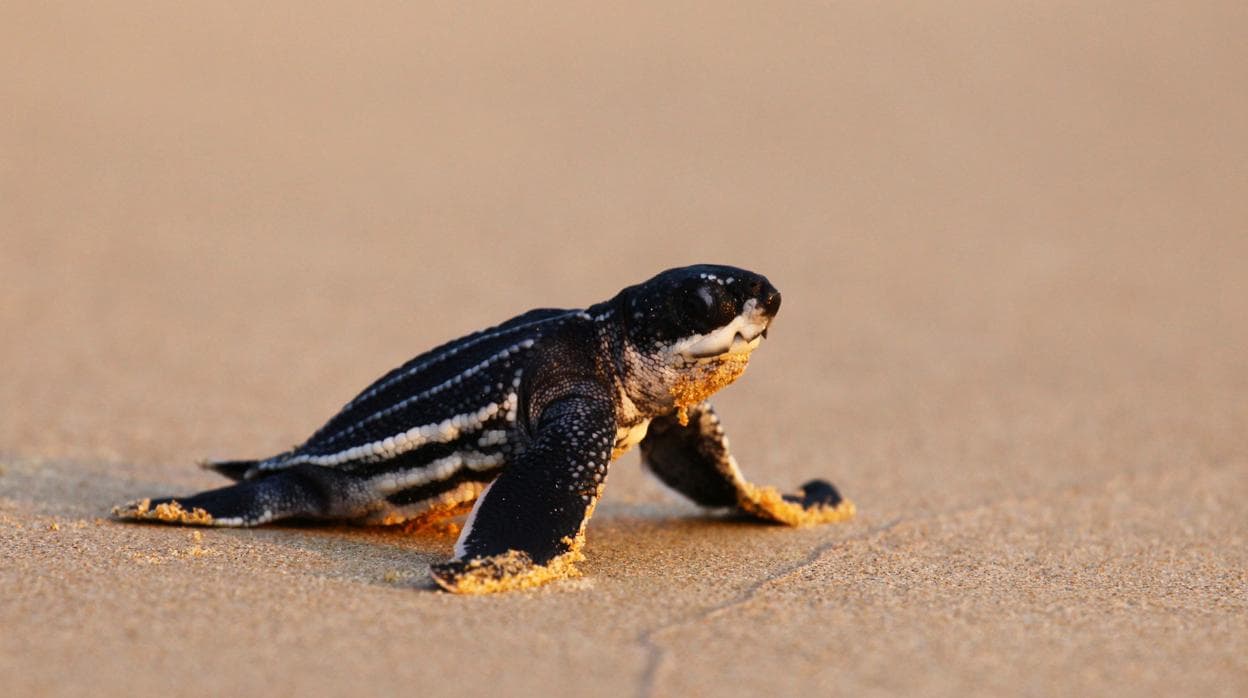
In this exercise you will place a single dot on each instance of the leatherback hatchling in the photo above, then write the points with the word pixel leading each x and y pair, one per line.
pixel 523 419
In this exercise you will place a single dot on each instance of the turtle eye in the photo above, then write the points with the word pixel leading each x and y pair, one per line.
pixel 697 303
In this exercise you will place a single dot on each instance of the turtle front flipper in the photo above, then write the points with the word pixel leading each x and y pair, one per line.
pixel 304 491
pixel 528 526
pixel 693 459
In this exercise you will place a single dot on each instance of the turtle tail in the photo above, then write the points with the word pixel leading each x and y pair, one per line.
pixel 234 469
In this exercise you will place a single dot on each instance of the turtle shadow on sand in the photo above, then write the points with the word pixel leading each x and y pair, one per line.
pixel 75 490
pixel 396 556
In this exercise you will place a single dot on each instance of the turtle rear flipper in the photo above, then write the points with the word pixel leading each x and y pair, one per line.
pixel 304 491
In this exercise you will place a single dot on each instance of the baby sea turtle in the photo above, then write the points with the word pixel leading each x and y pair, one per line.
pixel 523 419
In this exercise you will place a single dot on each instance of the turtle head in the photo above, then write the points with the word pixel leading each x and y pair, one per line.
pixel 690 331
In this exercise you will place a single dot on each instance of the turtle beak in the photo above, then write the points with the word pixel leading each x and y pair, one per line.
pixel 769 301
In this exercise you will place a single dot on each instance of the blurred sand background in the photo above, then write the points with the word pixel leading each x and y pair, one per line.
pixel 1012 241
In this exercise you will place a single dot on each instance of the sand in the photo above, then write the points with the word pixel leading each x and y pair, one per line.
pixel 1012 244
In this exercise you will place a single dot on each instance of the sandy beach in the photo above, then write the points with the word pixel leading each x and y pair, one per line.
pixel 1013 248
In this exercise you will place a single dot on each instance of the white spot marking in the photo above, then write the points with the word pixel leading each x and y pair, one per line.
pixel 434 471
pixel 448 353
pixel 450 382
pixel 440 432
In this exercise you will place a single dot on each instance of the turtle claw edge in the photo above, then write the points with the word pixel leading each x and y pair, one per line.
pixel 817 493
